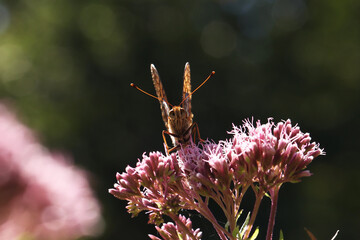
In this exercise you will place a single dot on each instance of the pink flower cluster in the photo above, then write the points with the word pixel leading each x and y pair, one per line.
pixel 170 231
pixel 43 195
pixel 271 154
pixel 261 157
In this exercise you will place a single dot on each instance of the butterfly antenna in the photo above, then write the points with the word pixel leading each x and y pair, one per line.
pixel 211 74
pixel 137 88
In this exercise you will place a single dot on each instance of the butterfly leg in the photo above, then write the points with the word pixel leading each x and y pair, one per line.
pixel 195 131
pixel 166 145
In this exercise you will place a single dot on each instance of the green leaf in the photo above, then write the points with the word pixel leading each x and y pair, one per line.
pixel 227 226
pixel 281 235
pixel 255 234
pixel 267 195
pixel 236 232
pixel 243 227
pixel 238 215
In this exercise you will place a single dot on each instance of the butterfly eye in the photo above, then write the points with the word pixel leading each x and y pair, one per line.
pixel 171 114
pixel 182 112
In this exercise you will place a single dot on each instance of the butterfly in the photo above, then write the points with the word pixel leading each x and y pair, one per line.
pixel 178 120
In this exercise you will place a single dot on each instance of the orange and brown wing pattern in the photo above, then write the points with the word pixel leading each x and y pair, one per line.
pixel 160 92
pixel 187 89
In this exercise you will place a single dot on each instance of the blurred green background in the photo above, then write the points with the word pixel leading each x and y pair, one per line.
pixel 66 66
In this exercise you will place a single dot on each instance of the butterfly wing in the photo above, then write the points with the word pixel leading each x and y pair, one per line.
pixel 160 92
pixel 187 90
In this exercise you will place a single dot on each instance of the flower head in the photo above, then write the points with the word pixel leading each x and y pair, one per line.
pixel 153 185
pixel 272 154
pixel 180 231
pixel 263 155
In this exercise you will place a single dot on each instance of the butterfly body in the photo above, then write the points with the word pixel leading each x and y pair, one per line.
pixel 178 119
pixel 179 124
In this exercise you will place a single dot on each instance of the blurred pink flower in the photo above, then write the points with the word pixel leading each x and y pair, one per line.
pixel 43 195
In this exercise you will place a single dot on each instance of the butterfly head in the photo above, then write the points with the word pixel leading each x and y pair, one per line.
pixel 178 112
pixel 179 119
